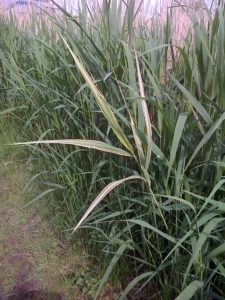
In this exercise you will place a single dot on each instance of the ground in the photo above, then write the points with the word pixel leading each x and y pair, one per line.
pixel 34 263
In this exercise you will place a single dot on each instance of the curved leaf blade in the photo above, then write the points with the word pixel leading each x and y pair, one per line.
pixel 91 144
pixel 207 136
pixel 156 230
pixel 190 290
pixel 111 186
pixel 101 101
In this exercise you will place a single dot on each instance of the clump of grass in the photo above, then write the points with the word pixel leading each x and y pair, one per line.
pixel 88 80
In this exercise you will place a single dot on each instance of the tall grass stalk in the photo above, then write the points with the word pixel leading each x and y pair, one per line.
pixel 151 201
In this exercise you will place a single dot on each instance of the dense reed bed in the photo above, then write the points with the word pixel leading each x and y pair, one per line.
pixel 133 125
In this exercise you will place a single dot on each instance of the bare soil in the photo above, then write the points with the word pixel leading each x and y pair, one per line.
pixel 32 260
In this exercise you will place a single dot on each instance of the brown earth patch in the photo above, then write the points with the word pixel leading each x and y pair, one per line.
pixel 30 255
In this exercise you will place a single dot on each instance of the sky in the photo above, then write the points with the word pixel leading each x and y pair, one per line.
pixel 148 3
pixel 73 3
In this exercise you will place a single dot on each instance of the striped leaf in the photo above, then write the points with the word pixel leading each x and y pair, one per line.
pixel 111 186
pixel 100 99
pixel 91 144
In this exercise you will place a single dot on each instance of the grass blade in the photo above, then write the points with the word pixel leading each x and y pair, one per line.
pixel 156 230
pixel 205 139
pixel 190 290
pixel 145 114
pixel 134 282
pixel 200 243
pixel 217 251
pixel 104 106
pixel 176 140
pixel 111 186
pixel 197 105
pixel 90 144
pixel 110 268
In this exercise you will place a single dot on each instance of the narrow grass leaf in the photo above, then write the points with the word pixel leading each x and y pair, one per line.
pixel 197 105
pixel 170 198
pixel 91 144
pixel 203 220
pixel 156 230
pixel 111 186
pixel 204 235
pixel 205 139
pixel 40 196
pixel 110 268
pixel 133 283
pixel 104 106
pixel 145 114
pixel 10 110
pixel 176 139
pixel 190 290
pixel 217 251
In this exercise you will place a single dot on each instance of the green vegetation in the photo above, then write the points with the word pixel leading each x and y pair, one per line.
pixel 158 176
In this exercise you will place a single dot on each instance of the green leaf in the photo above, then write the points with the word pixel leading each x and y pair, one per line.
pixel 134 282
pixel 204 235
pixel 110 268
pixel 170 198
pixel 176 139
pixel 40 196
pixel 203 220
pixel 156 230
pixel 10 110
pixel 197 105
pixel 217 251
pixel 190 290
pixel 205 139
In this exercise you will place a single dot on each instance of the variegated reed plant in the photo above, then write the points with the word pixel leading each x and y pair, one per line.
pixel 98 85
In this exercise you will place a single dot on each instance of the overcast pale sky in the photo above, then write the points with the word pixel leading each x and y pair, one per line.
pixel 148 3
pixel 73 3
pixel 152 2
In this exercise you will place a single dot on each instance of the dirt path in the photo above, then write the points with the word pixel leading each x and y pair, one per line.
pixel 33 263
